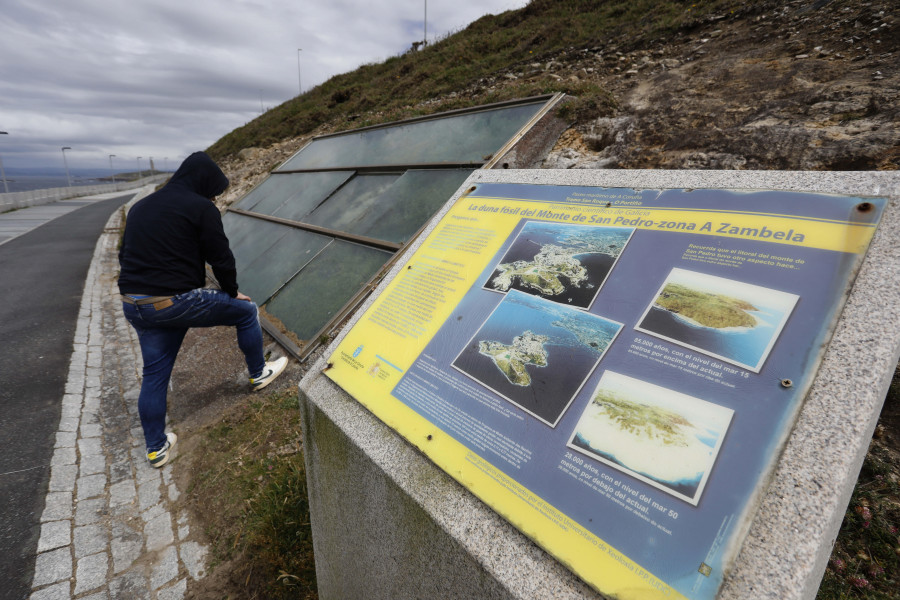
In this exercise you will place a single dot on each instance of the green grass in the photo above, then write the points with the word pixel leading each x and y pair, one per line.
pixel 466 60
pixel 249 486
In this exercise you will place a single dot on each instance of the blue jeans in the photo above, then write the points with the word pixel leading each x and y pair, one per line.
pixel 161 332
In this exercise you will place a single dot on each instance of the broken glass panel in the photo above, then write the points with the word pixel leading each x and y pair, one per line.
pixel 316 294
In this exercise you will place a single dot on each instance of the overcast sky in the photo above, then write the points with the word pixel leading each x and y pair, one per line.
pixel 164 78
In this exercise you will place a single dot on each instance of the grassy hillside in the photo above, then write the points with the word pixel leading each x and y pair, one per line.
pixel 406 85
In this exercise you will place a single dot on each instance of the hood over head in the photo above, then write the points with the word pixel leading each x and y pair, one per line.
pixel 200 174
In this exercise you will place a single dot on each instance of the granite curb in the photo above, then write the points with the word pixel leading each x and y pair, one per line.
pixel 110 528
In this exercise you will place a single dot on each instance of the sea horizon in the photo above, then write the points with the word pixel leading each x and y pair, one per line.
pixel 20 179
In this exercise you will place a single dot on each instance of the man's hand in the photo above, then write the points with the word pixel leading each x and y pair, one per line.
pixel 241 296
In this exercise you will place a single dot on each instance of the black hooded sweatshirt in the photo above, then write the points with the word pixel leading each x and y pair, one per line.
pixel 171 234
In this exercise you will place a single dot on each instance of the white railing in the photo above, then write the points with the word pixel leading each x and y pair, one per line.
pixel 14 200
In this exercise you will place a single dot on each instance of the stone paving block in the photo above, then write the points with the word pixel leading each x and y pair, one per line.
pixel 174 592
pixel 91 572
pixel 89 416
pixel 90 511
pixel 91 401
pixel 90 446
pixel 119 469
pixel 70 411
pixel 166 568
pixel 137 436
pixel 90 486
pixel 122 493
pixel 69 424
pixel 62 478
pixel 143 472
pixel 126 546
pixel 90 431
pixel 153 512
pixel 63 456
pixel 193 555
pixel 55 534
pixel 104 595
pixel 65 439
pixel 57 506
pixel 158 532
pixel 75 383
pixel 149 495
pixel 53 566
pixel 73 400
pixel 130 586
pixel 93 464
pixel 60 591
pixel 89 539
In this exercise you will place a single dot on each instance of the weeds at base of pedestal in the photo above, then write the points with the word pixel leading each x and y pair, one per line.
pixel 249 486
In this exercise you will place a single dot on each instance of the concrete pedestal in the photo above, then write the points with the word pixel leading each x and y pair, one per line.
pixel 387 523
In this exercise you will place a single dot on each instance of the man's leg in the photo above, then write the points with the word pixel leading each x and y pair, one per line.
pixel 159 348
pixel 214 308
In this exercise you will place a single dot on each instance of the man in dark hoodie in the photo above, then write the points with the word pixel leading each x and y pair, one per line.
pixel 169 238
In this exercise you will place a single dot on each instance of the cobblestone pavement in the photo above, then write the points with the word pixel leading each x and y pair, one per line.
pixel 109 528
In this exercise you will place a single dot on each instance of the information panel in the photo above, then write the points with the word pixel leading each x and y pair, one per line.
pixel 614 371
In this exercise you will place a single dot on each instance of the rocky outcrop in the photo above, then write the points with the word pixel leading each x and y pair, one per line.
pixel 811 86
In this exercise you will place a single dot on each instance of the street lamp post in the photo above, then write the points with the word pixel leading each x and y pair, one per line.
pixel 113 173
pixel 66 163
pixel 2 173
pixel 299 84
pixel 139 168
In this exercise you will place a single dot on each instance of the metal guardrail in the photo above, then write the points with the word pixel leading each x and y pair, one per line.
pixel 14 200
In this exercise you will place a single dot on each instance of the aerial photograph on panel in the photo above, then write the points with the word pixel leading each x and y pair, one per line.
pixel 563 263
pixel 728 319
pixel 662 437
pixel 536 354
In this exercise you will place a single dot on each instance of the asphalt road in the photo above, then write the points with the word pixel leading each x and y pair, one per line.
pixel 42 275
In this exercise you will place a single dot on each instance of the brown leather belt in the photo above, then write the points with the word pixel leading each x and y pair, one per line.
pixel 158 302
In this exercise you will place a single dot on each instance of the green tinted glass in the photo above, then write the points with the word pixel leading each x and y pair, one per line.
pixel 411 202
pixel 471 137
pixel 262 277
pixel 319 291
pixel 352 205
pixel 292 195
pixel 249 237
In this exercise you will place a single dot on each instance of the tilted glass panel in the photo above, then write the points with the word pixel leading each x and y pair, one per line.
pixel 350 207
pixel 292 195
pixel 249 237
pixel 262 277
pixel 318 292
pixel 471 137
pixel 302 192
pixel 411 202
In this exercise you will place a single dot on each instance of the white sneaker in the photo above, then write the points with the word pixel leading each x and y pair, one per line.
pixel 270 372
pixel 162 456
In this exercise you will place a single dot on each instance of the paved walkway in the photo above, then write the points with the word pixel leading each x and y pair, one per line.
pixel 109 528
